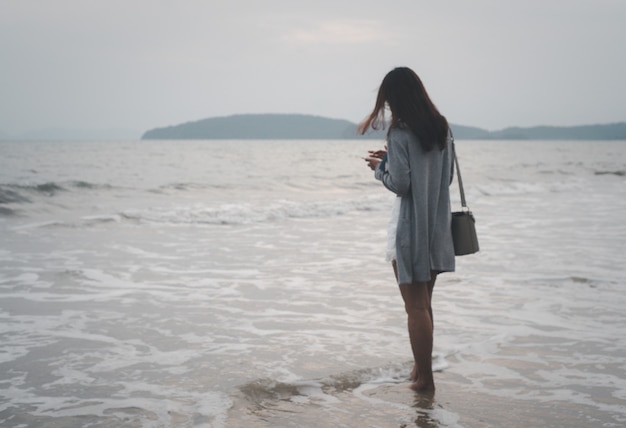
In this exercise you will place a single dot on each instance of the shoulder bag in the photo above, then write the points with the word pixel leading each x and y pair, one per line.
pixel 463 222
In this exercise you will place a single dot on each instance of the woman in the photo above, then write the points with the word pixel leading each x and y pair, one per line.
pixel 417 167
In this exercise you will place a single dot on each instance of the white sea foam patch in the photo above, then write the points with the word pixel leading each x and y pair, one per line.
pixel 94 366
pixel 248 213
pixel 149 406
pixel 19 336
pixel 80 222
pixel 95 286
pixel 558 348
pixel 28 279
pixel 508 188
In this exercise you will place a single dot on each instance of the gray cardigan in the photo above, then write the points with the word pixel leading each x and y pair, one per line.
pixel 422 179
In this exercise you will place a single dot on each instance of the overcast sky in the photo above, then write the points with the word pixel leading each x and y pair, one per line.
pixel 140 64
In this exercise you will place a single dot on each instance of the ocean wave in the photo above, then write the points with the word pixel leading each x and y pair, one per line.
pixel 48 188
pixel 8 196
pixel 619 173
pixel 496 188
pixel 83 222
pixel 248 213
pixel 87 185
pixel 45 225
pixel 11 193
pixel 18 194
pixel 183 186
pixel 7 212
pixel 224 214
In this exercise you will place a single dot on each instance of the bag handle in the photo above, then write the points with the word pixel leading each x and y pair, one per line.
pixel 458 174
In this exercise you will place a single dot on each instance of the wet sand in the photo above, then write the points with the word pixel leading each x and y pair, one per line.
pixel 455 404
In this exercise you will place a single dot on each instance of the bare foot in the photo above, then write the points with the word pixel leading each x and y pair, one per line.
pixel 414 373
pixel 423 386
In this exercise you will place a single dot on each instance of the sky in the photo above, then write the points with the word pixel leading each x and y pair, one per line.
pixel 141 64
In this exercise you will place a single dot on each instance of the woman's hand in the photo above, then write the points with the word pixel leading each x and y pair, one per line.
pixel 378 153
pixel 372 162
pixel 375 157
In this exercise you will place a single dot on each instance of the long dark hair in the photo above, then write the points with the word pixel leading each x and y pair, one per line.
pixel 404 93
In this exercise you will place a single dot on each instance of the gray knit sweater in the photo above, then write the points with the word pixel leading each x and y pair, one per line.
pixel 422 179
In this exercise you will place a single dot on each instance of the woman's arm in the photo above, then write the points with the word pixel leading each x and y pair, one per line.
pixel 395 172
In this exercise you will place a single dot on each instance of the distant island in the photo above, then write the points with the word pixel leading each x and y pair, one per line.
pixel 302 127
pixel 258 126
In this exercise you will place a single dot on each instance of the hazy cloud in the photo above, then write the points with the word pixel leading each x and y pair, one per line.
pixel 146 63
pixel 341 32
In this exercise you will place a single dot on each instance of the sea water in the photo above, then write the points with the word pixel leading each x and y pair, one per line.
pixel 243 283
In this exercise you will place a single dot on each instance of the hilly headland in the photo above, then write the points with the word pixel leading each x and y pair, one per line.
pixel 302 127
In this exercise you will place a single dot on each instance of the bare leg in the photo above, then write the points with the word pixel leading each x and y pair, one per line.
pixel 413 375
pixel 417 301
pixel 431 285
